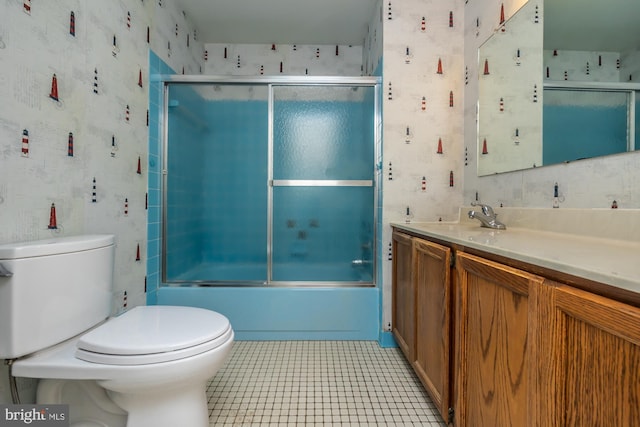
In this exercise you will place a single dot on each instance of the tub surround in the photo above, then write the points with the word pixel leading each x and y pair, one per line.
pixel 283 313
pixel 594 244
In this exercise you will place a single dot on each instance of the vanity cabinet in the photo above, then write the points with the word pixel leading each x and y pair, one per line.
pixel 496 324
pixel 506 343
pixel 433 321
pixel 592 376
pixel 422 312
pixel 403 294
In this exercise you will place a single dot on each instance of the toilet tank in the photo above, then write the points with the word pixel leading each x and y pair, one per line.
pixel 52 290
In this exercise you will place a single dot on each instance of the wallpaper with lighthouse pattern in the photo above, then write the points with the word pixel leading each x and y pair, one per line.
pixel 73 120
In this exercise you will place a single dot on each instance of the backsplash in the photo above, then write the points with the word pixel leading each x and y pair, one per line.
pixel 614 224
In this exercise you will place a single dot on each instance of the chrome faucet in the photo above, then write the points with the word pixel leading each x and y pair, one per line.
pixel 486 216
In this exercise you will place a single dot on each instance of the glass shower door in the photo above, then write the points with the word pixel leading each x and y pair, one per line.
pixel 215 225
pixel 322 213
pixel 585 123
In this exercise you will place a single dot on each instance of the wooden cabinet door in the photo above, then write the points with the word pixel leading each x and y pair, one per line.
pixel 496 321
pixel 403 294
pixel 594 377
pixel 433 321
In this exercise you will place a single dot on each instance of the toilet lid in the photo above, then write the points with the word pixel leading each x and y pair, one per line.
pixel 154 334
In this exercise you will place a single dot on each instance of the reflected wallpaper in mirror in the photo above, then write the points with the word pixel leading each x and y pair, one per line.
pixel 510 92
pixel 542 118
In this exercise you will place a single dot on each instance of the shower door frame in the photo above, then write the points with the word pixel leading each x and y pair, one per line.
pixel 271 82
pixel 630 89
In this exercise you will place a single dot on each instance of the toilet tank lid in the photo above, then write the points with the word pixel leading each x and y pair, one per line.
pixel 54 246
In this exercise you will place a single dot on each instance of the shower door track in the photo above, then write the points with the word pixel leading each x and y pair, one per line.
pixel 271 82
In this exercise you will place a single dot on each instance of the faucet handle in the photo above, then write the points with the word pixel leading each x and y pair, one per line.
pixel 486 209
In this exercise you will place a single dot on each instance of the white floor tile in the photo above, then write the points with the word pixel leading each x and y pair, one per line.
pixel 339 383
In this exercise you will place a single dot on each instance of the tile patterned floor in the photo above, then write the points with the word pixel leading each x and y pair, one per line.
pixel 328 383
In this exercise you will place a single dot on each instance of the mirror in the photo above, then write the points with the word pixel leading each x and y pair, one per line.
pixel 574 96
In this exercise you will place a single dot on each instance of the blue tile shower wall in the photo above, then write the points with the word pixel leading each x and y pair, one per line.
pixel 235 183
pixel 154 214
pixel 185 180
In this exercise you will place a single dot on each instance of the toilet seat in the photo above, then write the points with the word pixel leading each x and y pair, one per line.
pixel 153 334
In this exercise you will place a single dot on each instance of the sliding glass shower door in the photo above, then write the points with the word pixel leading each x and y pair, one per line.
pixel 215 225
pixel 268 184
pixel 323 193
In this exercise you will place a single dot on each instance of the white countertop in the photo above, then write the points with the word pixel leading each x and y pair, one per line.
pixel 609 261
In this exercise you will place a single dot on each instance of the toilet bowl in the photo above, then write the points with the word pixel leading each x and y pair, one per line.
pixel 152 361
pixel 147 367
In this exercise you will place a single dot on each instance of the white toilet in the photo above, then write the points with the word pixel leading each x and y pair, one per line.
pixel 146 367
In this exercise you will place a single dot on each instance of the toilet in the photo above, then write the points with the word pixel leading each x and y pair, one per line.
pixel 146 367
